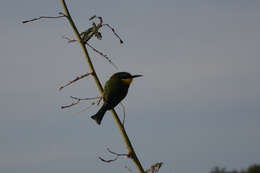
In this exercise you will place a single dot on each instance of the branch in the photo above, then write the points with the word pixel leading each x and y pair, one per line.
pixel 68 39
pixel 92 104
pixel 126 155
pixel 45 17
pixel 116 154
pixel 113 30
pixel 76 79
pixel 94 49
pixel 94 30
pixel 99 86
pixel 107 161
pixel 77 101
pixel 100 53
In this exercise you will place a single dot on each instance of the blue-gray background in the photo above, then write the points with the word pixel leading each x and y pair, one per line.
pixel 196 107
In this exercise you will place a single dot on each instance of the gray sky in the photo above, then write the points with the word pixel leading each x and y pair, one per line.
pixel 196 107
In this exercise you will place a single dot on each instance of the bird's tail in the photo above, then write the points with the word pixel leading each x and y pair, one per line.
pixel 99 115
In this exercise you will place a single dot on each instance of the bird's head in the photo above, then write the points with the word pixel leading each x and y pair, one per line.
pixel 126 77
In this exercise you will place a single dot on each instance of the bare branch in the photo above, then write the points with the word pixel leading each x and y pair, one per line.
pixel 116 154
pixel 90 98
pixel 77 100
pixel 92 104
pixel 113 30
pixel 92 17
pixel 76 79
pixel 94 49
pixel 89 106
pixel 72 104
pixel 45 17
pixel 100 53
pixel 108 161
pixel 68 39
pixel 94 30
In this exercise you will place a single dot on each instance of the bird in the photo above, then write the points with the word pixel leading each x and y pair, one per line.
pixel 115 91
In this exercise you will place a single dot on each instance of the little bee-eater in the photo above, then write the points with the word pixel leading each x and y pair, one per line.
pixel 115 90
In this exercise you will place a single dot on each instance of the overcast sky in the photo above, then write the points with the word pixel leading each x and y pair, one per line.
pixel 197 106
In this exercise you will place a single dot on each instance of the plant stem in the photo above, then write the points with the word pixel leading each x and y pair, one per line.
pixel 100 88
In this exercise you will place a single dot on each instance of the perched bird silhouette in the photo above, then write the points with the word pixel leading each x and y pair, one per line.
pixel 115 90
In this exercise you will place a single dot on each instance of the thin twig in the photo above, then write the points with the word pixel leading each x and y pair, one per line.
pixel 100 25
pixel 72 104
pixel 93 103
pixel 45 17
pixel 117 154
pixel 92 17
pixel 90 98
pixel 94 49
pixel 77 100
pixel 114 153
pixel 107 161
pixel 113 30
pixel 68 39
pixel 105 56
pixel 76 79
pixel 89 106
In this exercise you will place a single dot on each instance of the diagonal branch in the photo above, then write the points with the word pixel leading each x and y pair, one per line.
pixel 76 79
pixel 94 49
pixel 113 30
pixel 45 17
pixel 104 55
pixel 99 86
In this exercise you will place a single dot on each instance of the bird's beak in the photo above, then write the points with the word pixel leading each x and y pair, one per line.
pixel 134 76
